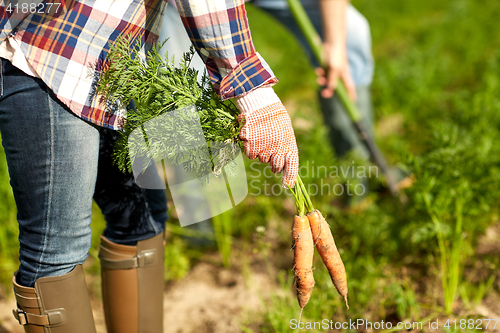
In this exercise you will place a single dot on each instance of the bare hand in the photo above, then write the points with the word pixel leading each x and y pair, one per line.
pixel 337 67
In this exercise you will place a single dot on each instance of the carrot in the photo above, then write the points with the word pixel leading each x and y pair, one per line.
pixel 323 239
pixel 303 258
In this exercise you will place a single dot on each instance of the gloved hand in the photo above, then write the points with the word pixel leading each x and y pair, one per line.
pixel 267 132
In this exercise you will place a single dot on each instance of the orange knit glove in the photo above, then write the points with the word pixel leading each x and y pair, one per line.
pixel 267 133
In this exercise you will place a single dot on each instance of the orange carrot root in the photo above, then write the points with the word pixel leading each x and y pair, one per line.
pixel 325 244
pixel 303 258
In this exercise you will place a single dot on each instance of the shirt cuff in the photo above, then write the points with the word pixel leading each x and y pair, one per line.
pixel 256 99
pixel 251 73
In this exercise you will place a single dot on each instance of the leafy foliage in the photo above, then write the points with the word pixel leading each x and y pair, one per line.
pixel 437 68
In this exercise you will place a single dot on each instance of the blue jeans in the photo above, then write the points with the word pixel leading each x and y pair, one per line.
pixel 53 159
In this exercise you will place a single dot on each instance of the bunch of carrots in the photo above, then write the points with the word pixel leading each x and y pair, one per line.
pixel 310 230
pixel 157 86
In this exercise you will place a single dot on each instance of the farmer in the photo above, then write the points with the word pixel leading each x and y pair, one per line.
pixel 347 42
pixel 50 121
pixel 348 57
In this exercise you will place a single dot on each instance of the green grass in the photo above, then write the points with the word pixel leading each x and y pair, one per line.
pixel 437 74
pixel 437 71
pixel 9 246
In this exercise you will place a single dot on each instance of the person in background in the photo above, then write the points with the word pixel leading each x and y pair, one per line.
pixel 347 42
pixel 348 57
pixel 51 122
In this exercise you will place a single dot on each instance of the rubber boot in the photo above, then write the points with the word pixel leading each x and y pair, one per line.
pixel 132 285
pixel 57 304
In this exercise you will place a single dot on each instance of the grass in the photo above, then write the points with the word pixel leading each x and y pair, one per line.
pixel 222 231
pixel 443 87
pixel 451 260
pixel 437 83
pixel 9 247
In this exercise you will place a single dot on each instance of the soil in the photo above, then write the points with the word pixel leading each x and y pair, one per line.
pixel 215 299
pixel 209 299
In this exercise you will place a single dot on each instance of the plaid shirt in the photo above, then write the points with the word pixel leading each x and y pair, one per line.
pixel 67 44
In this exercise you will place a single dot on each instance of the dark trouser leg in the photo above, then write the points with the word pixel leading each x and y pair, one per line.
pixel 131 250
pixel 343 135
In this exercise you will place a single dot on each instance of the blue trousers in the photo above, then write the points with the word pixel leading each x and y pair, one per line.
pixel 57 164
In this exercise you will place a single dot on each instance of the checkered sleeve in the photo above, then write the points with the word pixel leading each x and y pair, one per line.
pixel 220 33
pixel 66 43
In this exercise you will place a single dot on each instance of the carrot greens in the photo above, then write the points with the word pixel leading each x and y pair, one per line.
pixel 151 87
